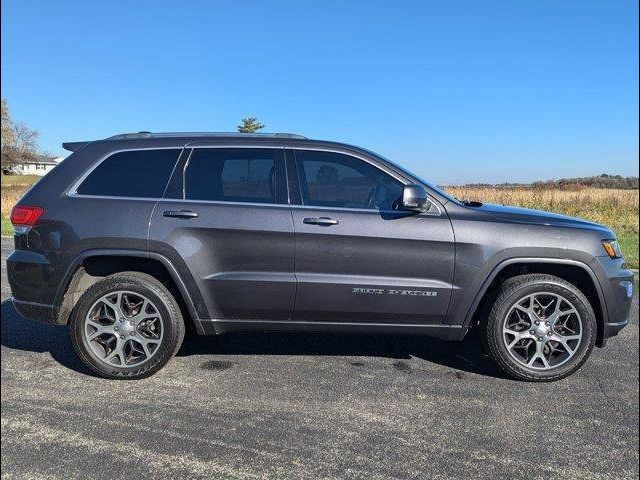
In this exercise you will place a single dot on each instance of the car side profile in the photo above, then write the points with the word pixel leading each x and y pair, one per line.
pixel 136 237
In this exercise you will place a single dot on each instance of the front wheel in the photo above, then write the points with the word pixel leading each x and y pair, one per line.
pixel 126 325
pixel 540 328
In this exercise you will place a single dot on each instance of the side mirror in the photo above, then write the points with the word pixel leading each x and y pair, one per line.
pixel 415 198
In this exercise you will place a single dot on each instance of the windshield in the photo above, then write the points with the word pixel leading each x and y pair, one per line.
pixel 417 179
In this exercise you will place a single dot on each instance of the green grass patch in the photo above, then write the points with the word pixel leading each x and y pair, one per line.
pixel 7 228
pixel 629 244
pixel 9 180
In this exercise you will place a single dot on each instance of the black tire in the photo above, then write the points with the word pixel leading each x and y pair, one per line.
pixel 166 305
pixel 515 289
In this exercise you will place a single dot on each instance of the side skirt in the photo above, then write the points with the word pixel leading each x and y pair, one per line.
pixel 217 326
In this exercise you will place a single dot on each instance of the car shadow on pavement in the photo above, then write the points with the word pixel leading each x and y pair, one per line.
pixel 468 356
pixel 30 335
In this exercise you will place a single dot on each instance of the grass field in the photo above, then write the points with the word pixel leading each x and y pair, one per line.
pixel 19 180
pixel 13 187
pixel 617 209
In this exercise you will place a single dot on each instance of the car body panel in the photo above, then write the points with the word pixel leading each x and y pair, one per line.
pixel 386 267
pixel 241 256
pixel 243 266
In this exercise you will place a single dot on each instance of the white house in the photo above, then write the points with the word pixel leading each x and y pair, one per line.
pixel 40 166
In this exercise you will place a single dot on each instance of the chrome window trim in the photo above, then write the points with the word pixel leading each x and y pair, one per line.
pixel 184 173
pixel 186 164
pixel 382 168
pixel 359 157
pixel 428 213
pixel 284 205
pixel 222 203
pixel 112 197
pixel 72 192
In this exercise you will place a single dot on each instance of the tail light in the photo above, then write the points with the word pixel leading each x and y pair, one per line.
pixel 24 216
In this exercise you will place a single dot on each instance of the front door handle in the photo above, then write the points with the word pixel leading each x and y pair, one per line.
pixel 180 214
pixel 325 221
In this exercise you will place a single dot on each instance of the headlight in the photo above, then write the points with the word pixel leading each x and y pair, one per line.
pixel 612 247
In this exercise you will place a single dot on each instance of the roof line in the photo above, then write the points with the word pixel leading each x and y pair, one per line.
pixel 143 134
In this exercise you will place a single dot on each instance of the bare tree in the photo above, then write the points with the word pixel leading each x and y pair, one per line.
pixel 7 125
pixel 19 142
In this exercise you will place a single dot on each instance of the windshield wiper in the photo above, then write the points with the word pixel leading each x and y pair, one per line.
pixel 471 203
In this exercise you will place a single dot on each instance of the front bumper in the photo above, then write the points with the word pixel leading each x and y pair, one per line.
pixel 612 329
pixel 617 285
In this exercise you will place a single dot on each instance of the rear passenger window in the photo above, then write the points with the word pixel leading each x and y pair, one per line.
pixel 234 175
pixel 135 173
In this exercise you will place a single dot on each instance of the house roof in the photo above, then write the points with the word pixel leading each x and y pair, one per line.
pixel 43 160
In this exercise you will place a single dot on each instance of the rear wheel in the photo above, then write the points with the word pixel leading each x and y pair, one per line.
pixel 127 325
pixel 540 328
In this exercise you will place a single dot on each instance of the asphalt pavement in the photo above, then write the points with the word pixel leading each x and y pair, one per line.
pixel 307 406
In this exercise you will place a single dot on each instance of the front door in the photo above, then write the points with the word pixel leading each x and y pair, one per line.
pixel 357 257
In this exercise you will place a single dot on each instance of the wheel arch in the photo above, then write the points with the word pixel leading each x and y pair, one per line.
pixel 91 265
pixel 573 271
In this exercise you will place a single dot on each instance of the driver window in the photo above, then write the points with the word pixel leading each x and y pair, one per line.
pixel 330 179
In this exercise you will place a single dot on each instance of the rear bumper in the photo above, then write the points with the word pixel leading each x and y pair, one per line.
pixel 34 280
pixel 36 311
pixel 34 277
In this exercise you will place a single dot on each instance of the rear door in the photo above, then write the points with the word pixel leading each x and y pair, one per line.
pixel 225 220
pixel 358 258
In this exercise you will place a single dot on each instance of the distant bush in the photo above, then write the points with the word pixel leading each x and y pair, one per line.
pixel 601 181
pixel 578 183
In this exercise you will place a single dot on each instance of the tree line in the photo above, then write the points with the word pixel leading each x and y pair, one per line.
pixel 597 181
pixel 600 181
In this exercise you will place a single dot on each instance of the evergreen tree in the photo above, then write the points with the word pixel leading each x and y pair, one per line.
pixel 250 125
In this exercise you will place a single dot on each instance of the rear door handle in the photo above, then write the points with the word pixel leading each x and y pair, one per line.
pixel 325 221
pixel 180 214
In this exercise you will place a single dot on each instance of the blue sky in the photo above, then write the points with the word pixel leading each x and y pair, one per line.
pixel 457 91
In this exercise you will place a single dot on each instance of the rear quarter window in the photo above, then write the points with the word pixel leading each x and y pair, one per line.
pixel 135 173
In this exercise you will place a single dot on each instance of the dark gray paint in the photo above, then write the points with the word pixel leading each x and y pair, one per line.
pixel 243 266
pixel 240 255
pixel 373 250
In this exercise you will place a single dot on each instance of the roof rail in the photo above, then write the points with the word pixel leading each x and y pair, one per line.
pixel 145 134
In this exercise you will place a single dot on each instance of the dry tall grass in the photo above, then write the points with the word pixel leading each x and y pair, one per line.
pixel 617 209
pixel 10 196
pixel 13 188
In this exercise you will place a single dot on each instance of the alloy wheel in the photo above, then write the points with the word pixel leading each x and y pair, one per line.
pixel 542 331
pixel 123 329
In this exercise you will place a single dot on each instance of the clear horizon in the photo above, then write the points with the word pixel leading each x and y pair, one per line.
pixel 462 92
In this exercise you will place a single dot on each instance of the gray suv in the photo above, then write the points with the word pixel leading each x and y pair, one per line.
pixel 134 238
